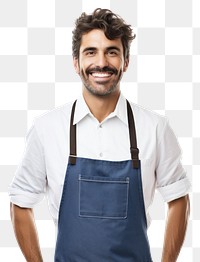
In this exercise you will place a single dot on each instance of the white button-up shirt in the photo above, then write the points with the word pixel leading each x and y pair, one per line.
pixel 43 167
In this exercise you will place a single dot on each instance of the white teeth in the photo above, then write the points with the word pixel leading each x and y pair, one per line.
pixel 101 74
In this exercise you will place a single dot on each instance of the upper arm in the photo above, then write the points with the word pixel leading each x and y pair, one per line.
pixel 172 181
pixel 28 185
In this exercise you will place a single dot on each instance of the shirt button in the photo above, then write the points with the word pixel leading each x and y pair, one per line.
pixel 101 154
pixel 100 126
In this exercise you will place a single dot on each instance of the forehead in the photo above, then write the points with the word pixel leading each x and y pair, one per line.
pixel 97 39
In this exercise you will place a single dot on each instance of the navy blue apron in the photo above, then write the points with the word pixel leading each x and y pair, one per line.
pixel 102 216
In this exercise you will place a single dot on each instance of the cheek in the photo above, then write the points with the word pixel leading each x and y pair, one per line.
pixel 83 66
pixel 119 64
pixel 83 74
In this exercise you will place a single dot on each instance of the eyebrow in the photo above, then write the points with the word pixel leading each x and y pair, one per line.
pixel 113 47
pixel 107 49
pixel 89 49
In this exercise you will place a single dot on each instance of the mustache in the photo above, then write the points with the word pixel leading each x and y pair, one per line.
pixel 105 69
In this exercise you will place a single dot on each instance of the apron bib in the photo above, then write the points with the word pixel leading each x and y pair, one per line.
pixel 102 215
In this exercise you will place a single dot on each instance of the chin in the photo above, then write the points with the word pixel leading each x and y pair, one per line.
pixel 101 92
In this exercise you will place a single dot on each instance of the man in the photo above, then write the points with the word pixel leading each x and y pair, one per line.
pixel 86 156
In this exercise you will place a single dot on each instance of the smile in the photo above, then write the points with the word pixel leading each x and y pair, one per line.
pixel 101 75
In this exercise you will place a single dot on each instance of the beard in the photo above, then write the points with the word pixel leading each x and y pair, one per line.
pixel 101 88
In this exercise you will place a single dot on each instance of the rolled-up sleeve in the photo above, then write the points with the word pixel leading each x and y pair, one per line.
pixel 29 183
pixel 172 181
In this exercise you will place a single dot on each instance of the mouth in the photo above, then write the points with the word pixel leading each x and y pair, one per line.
pixel 101 78
pixel 101 75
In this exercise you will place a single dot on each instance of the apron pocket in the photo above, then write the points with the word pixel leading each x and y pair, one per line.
pixel 103 197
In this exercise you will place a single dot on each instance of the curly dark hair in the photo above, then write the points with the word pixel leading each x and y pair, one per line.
pixel 104 19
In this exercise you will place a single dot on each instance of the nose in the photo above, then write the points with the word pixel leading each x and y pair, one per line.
pixel 101 60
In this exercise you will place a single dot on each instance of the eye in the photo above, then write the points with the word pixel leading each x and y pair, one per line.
pixel 90 53
pixel 112 53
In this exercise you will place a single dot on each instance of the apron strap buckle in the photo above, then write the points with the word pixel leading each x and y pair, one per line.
pixel 135 157
pixel 72 159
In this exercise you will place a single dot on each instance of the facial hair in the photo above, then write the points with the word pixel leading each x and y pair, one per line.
pixel 95 90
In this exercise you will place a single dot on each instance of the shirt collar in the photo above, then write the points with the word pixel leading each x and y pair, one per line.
pixel 81 110
pixel 120 111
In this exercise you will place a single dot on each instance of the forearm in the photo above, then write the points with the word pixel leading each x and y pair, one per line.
pixel 26 234
pixel 177 220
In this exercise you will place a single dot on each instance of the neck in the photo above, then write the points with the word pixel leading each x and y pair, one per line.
pixel 101 106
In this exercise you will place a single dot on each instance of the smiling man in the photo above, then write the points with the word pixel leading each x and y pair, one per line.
pixel 100 159
pixel 101 63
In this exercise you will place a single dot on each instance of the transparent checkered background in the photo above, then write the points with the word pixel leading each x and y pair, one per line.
pixel 36 75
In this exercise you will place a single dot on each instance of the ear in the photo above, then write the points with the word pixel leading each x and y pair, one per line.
pixel 76 65
pixel 126 63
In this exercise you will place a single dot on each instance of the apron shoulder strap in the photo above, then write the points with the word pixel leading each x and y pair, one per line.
pixel 72 154
pixel 132 134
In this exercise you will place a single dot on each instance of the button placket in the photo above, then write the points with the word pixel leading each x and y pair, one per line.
pixel 100 140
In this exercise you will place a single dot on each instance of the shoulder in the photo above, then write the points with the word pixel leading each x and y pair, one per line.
pixel 148 118
pixel 151 130
pixel 57 114
pixel 53 121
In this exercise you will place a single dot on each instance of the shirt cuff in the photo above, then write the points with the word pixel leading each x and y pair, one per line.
pixel 24 199
pixel 175 190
